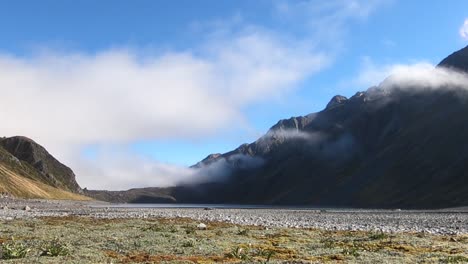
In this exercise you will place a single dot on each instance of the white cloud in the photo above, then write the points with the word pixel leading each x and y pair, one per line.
pixel 425 75
pixel 122 170
pixel 332 10
pixel 328 21
pixel 464 30
pixel 119 170
pixel 370 74
pixel 409 76
pixel 116 96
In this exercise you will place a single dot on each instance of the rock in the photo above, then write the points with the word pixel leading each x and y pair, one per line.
pixel 335 101
pixel 5 207
pixel 201 226
pixel 27 208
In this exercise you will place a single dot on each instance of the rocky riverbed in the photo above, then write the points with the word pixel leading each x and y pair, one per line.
pixel 443 222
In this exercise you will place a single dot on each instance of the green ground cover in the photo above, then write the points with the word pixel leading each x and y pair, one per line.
pixel 88 240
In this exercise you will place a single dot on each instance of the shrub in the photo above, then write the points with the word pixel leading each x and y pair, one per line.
pixel 188 243
pixel 55 248
pixel 238 253
pixel 243 232
pixel 350 252
pixel 14 250
pixel 378 236
pixel 190 230
pixel 264 253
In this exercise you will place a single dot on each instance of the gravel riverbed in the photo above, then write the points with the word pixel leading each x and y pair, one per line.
pixel 444 222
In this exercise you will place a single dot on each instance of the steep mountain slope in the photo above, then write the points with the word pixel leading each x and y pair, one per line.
pixel 27 170
pixel 400 147
pixel 457 60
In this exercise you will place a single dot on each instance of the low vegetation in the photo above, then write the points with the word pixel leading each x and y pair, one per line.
pixel 14 250
pixel 88 240
pixel 55 249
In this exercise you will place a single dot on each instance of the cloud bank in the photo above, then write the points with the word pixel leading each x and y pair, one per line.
pixel 122 170
pixel 408 76
pixel 425 75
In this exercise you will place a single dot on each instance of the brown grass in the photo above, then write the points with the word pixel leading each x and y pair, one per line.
pixel 19 186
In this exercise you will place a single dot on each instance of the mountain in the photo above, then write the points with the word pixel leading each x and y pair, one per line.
pixel 457 60
pixel 399 147
pixel 27 170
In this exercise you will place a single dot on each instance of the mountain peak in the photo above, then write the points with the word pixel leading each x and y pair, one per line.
pixel 335 101
pixel 457 60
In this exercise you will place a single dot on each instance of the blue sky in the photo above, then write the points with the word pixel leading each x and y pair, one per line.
pixel 321 48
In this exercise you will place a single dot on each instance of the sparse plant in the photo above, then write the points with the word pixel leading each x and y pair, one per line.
pixel 188 243
pixel 328 242
pixel 353 251
pixel 55 248
pixel 239 253
pixel 172 229
pixel 378 236
pixel 455 259
pixel 243 232
pixel 14 250
pixel 137 244
pixel 264 253
pixel 190 230
pixel 153 228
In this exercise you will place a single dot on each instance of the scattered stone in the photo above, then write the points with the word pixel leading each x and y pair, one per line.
pixel 453 222
pixel 201 226
pixel 5 207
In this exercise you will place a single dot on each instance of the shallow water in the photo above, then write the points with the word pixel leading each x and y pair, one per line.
pixel 214 206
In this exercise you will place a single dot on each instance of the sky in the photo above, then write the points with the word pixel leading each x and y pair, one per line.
pixel 130 93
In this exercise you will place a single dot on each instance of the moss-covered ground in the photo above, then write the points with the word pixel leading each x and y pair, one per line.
pixel 89 240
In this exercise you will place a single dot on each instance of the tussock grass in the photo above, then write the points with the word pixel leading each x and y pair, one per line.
pixel 55 248
pixel 14 250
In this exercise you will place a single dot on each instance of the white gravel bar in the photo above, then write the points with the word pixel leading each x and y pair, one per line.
pixel 445 222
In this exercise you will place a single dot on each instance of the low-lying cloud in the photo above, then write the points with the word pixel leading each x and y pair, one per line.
pixel 288 134
pixel 408 76
pixel 425 75
pixel 122 170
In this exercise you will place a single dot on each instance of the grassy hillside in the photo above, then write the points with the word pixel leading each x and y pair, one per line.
pixel 20 186
pixel 20 179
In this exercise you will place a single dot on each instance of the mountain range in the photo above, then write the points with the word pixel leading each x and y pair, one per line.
pixel 396 145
